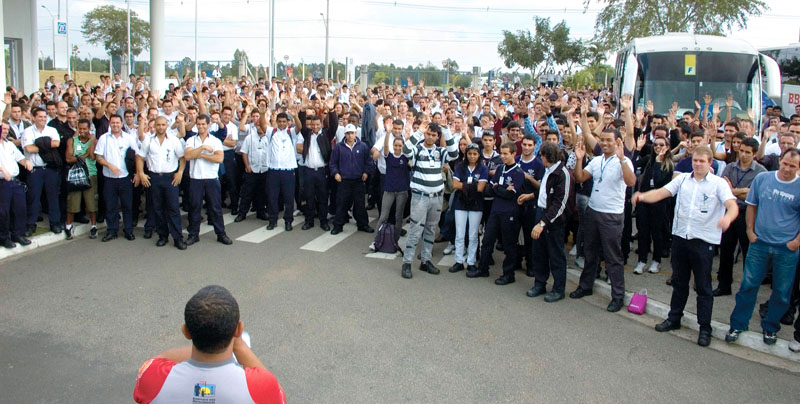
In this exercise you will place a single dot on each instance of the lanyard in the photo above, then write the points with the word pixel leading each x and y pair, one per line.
pixel 739 178
pixel 511 168
pixel 603 166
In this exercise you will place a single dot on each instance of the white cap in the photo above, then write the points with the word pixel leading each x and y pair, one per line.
pixel 349 128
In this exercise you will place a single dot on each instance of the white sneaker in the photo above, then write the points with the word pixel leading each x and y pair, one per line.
pixel 574 251
pixel 372 246
pixel 579 262
pixel 449 249
pixel 794 346
pixel 297 212
pixel 654 266
pixel 639 268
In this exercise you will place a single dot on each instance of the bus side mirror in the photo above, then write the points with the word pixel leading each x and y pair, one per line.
pixel 630 70
pixel 773 75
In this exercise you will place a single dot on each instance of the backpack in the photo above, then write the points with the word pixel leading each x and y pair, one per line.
pixel 386 239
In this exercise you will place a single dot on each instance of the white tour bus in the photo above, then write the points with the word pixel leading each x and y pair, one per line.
pixel 683 68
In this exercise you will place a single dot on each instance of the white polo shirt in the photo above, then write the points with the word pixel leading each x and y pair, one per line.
pixel 257 150
pixel 699 206
pixel 608 189
pixel 113 150
pixel 283 148
pixel 30 134
pixel 9 156
pixel 379 147
pixel 233 133
pixel 314 158
pixel 161 157
pixel 201 169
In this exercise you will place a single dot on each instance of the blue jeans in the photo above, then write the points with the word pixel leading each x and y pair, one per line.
pixel 759 257
pixel 467 220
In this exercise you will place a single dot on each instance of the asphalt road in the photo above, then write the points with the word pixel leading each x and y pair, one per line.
pixel 77 320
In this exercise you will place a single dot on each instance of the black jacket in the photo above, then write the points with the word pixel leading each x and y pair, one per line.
pixel 324 139
pixel 558 188
pixel 49 155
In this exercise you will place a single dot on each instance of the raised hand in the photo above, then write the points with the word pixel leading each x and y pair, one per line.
pixel 729 102
pixel 641 141
pixel 649 107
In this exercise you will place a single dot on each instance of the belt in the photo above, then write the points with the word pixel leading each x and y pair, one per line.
pixel 429 195
pixel 163 174
pixel 316 169
pixel 282 169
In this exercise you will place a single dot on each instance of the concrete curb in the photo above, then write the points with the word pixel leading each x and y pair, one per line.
pixel 655 308
pixel 47 239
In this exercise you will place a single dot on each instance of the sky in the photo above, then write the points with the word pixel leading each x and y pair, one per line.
pixel 405 32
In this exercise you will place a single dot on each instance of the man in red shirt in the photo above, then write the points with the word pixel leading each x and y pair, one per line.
pixel 207 371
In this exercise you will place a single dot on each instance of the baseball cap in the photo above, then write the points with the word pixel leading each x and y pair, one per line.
pixel 349 128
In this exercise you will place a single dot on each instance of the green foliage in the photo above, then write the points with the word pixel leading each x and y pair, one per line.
pixel 622 20
pixel 790 68
pixel 108 26
pixel 381 77
pixel 461 80
pixel 592 76
pixel 546 47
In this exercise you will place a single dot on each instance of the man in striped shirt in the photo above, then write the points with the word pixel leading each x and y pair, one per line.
pixel 427 185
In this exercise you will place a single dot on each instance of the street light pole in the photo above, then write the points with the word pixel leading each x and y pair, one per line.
pixel 326 19
pixel 271 40
pixel 53 18
pixel 128 62
pixel 195 43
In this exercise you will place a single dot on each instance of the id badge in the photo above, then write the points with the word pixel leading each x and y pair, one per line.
pixel 502 180
pixel 469 180
pixel 432 163
pixel 652 183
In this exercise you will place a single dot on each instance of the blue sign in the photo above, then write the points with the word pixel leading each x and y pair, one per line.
pixel 62 28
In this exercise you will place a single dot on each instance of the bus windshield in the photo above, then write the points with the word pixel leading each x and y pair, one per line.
pixel 664 78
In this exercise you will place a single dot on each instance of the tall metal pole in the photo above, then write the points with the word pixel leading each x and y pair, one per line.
pixel 128 73
pixel 196 74
pixel 53 18
pixel 69 49
pixel 327 32
pixel 271 39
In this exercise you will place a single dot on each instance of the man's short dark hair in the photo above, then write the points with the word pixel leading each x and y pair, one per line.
pixel 211 317
pixel 397 122
pixel 203 117
pixel 283 115
pixel 510 146
pixel 314 118
pixel 84 121
pixel 37 110
pixel 550 151
pixel 696 133
pixel 529 137
pixel 733 125
pixel 751 143
pixel 615 131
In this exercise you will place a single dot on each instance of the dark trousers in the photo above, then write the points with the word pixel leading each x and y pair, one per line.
pixel 351 193
pixel 150 214
pixel 281 186
pixel 627 228
pixel 650 224
pixel 529 218
pixel 687 257
pixel 736 233
pixel 38 180
pixel 602 236
pixel 316 190
pixel 231 178
pixel 506 226
pixel 164 198
pixel 12 209
pixel 254 189
pixel 549 257
pixel 333 187
pixel 119 195
pixel 211 192
pixel 375 189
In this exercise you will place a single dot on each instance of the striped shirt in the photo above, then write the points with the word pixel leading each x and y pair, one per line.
pixel 427 163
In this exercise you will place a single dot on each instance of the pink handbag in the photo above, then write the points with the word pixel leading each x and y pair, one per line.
pixel 638 302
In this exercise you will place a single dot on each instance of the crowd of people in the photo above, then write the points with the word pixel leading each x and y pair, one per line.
pixel 512 168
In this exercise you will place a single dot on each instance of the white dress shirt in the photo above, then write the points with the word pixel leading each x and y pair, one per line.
pixel 9 156
pixel 161 157
pixel 30 134
pixel 257 150
pixel 608 189
pixel 202 169
pixel 699 206
pixel 113 150
pixel 314 158
pixel 283 148
pixel 233 133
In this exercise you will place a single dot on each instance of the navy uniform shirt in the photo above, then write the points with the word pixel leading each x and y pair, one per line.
pixel 505 201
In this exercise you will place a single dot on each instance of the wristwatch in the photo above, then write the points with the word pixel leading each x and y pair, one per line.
pixel 542 223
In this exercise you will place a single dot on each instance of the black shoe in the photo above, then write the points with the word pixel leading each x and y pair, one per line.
pixel 553 297
pixel 406 271
pixel 615 305
pixel 162 241
pixel 130 236
pixel 68 233
pixel 261 216
pixel 769 337
pixel 234 211
pixel 7 243
pixel 477 273
pixel 504 280
pixel 667 325
pixel 429 268
pixel 456 268
pixel 93 233
pixel 56 229
pixel 109 236
pixel 721 292
pixel 193 238
pixel 788 318
pixel 288 226
pixel 224 239
pixel 580 293
pixel 536 291
pixel 30 230
pixel 148 234
pixel 325 227
pixel 239 218
pixel 307 226
pixel 21 240
pixel 704 339
pixel 82 219
pixel 180 244
pixel 271 225
pixel 471 268
pixel 336 230
pixel 366 229
pixel 669 281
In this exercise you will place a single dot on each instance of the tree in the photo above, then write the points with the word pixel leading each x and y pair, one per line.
pixel 548 45
pixel 522 49
pixel 622 20
pixel 108 26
